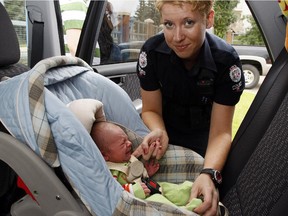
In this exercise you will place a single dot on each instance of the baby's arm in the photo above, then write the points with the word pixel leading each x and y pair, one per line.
pixel 139 190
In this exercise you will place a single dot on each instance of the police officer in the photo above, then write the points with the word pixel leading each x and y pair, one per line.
pixel 191 81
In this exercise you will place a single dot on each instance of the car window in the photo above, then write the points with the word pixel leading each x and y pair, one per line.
pixel 134 22
pixel 123 28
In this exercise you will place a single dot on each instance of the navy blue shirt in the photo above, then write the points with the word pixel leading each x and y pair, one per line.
pixel 188 95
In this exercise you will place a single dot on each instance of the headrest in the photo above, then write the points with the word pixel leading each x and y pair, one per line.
pixel 87 111
pixel 9 45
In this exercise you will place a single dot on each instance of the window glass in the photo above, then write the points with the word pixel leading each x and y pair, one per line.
pixel 126 25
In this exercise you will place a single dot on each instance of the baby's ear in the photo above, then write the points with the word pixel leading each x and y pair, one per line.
pixel 105 156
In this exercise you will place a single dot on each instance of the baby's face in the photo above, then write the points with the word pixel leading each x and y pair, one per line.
pixel 120 148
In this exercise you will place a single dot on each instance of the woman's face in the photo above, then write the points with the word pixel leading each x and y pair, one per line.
pixel 184 29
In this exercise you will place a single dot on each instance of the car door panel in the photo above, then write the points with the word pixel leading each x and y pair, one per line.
pixel 124 74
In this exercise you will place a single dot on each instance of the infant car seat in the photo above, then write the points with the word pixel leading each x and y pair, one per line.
pixel 36 115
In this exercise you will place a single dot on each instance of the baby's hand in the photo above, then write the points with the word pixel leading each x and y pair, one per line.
pixel 152 166
pixel 145 189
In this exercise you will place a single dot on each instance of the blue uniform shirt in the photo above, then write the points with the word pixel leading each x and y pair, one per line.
pixel 188 95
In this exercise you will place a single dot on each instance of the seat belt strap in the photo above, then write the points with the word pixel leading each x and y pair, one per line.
pixel 37 42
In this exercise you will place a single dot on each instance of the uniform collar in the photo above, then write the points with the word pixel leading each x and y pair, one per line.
pixel 205 57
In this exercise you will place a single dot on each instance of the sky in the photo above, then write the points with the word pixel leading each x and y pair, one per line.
pixel 128 6
pixel 244 7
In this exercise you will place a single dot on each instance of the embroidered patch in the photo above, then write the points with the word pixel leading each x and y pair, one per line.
pixel 237 87
pixel 141 72
pixel 143 59
pixel 235 73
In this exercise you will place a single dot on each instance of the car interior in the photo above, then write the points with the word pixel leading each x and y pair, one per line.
pixel 254 177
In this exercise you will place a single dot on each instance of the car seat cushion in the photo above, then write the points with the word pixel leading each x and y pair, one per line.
pixel 87 111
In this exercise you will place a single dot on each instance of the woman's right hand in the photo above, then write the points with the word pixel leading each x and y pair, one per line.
pixel 154 145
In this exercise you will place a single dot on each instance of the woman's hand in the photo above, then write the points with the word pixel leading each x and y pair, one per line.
pixel 154 145
pixel 204 188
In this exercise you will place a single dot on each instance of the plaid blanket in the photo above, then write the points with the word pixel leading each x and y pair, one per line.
pixel 176 166
pixel 129 205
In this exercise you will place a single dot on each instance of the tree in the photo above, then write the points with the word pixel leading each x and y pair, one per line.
pixel 224 16
pixel 15 9
pixel 253 35
pixel 153 13
pixel 140 14
pixel 148 10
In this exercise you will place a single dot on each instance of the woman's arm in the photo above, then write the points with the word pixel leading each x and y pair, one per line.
pixel 220 136
pixel 219 144
pixel 152 117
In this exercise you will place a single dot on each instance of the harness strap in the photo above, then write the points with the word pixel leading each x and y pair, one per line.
pixel 134 170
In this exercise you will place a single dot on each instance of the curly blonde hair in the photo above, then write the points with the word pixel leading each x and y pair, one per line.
pixel 203 6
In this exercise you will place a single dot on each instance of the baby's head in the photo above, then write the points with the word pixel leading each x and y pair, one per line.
pixel 112 141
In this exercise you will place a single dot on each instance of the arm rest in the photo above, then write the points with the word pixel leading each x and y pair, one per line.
pixel 51 195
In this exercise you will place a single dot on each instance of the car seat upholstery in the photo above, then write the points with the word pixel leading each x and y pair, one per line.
pixel 9 67
pixel 255 174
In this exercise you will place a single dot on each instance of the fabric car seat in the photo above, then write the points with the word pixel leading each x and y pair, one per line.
pixel 255 175
pixel 9 67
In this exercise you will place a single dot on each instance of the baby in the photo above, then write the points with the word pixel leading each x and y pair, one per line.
pixel 116 149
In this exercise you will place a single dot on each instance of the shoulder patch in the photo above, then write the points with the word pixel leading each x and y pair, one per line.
pixel 143 59
pixel 235 73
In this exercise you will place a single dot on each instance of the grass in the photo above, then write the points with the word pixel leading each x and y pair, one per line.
pixel 241 110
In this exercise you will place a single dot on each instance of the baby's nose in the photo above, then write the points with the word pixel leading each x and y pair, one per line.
pixel 128 143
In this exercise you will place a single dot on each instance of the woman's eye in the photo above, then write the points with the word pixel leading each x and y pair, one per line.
pixel 168 25
pixel 189 22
